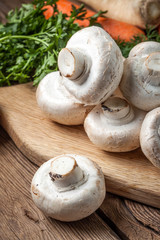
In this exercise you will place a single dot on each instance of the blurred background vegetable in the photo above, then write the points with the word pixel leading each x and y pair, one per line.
pixel 117 29
pixel 137 12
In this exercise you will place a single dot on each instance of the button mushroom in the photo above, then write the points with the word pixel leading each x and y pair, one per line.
pixel 150 136
pixel 115 125
pixel 140 83
pixel 92 65
pixel 58 103
pixel 68 187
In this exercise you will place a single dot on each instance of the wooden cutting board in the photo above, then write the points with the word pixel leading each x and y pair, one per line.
pixel 127 174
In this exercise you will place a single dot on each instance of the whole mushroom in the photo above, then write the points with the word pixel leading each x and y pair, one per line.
pixel 90 67
pixel 140 83
pixel 114 125
pixel 68 187
pixel 58 104
pixel 150 136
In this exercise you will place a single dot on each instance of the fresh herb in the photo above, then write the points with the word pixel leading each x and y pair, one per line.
pixel 29 44
pixel 151 35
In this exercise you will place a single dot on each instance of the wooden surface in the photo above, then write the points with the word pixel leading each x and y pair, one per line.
pixel 117 218
pixel 20 218
pixel 127 174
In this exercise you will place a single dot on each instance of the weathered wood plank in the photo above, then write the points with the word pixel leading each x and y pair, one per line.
pixel 147 216
pixel 21 219
pixel 130 219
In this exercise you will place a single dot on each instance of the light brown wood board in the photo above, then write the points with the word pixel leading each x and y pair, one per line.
pixel 127 174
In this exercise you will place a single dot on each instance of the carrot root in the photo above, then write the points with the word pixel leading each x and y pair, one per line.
pixel 117 30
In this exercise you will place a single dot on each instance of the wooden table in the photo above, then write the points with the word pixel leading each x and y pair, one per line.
pixel 117 218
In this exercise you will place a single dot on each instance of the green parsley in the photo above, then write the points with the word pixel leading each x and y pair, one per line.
pixel 29 44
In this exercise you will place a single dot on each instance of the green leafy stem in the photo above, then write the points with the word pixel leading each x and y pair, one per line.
pixel 24 37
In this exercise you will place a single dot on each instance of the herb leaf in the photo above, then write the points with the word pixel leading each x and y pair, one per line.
pixel 29 44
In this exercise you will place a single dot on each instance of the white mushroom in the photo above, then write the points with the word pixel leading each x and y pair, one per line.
pixel 68 187
pixel 58 103
pixel 115 125
pixel 140 83
pixel 92 65
pixel 150 136
pixel 144 49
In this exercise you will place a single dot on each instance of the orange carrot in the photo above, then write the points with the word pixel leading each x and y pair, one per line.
pixel 116 29
pixel 65 6
pixel 121 30
pixel 48 12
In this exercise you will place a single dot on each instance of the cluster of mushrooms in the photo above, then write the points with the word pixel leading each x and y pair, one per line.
pixel 91 68
pixel 84 91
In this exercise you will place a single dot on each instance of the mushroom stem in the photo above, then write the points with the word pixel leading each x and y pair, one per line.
pixel 153 64
pixel 71 63
pixel 117 110
pixel 65 172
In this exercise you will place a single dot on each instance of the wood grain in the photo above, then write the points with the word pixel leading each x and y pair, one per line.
pixel 127 174
pixel 131 220
pixel 117 218
pixel 21 219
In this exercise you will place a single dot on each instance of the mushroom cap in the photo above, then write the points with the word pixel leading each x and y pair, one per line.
pixel 74 204
pixel 144 49
pixel 103 66
pixel 112 133
pixel 58 103
pixel 150 136
pixel 140 83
